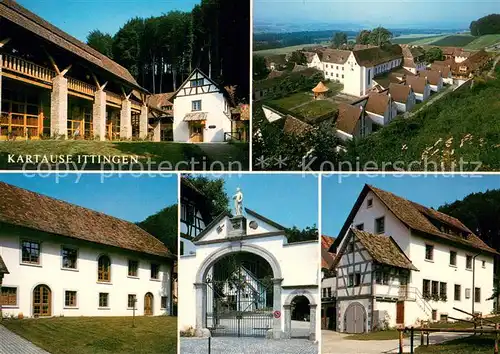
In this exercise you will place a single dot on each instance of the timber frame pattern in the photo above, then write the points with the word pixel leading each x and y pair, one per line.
pixel 53 85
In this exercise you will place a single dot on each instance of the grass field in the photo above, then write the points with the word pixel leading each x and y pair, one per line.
pixel 469 345
pixel 155 152
pixel 483 41
pixel 293 100
pixel 458 40
pixel 283 50
pixel 99 335
pixel 462 126
pixel 315 109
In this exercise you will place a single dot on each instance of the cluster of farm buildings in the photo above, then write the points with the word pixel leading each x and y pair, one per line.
pixel 53 85
pixel 382 82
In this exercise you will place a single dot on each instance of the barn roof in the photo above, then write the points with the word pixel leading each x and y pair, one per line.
pixel 399 92
pixel 348 117
pixel 421 219
pixel 22 17
pixel 377 103
pixel 326 256
pixel 377 55
pixel 417 83
pixel 24 208
pixel 383 249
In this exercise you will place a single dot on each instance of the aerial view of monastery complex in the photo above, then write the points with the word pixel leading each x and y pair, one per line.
pixel 378 95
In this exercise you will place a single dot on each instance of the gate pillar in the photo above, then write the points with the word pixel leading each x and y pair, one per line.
pixel 288 321
pixel 277 332
pixel 201 298
pixel 312 322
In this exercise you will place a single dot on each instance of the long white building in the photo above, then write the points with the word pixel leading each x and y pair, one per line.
pixel 399 262
pixel 65 260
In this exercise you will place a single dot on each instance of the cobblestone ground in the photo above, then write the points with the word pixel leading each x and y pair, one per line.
pixel 11 343
pixel 229 345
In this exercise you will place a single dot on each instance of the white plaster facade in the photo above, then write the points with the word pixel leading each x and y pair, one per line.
pixel 200 96
pixel 315 62
pixel 290 277
pixel 84 279
pixel 379 300
pixel 359 79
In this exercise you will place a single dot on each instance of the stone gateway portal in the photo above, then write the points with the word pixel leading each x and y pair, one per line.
pixel 239 294
pixel 242 278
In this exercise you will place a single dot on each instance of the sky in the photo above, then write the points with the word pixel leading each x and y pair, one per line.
pixel 124 196
pixel 79 17
pixel 288 199
pixel 405 13
pixel 428 190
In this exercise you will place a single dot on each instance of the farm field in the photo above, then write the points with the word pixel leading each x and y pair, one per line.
pixel 458 40
pixel 285 50
pixel 483 41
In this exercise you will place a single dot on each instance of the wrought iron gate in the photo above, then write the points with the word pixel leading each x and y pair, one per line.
pixel 238 302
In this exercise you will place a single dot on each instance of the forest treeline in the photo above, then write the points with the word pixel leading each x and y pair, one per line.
pixel 486 25
pixel 161 51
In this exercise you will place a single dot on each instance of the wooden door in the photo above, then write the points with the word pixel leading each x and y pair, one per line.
pixel 42 301
pixel 354 319
pixel 400 312
pixel 148 304
pixel 195 132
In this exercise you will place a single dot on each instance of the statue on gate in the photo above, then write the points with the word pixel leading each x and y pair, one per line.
pixel 238 202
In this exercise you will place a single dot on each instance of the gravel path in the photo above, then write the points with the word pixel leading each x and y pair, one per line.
pixel 227 345
pixel 11 343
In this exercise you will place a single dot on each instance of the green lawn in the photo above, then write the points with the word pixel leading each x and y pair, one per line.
pixel 470 345
pixel 156 152
pixel 378 335
pixel 293 100
pixel 99 335
pixel 483 41
pixel 315 109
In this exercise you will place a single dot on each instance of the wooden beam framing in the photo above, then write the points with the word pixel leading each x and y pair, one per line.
pixel 4 42
pixel 65 71
pixel 98 84
pixel 127 96
pixel 53 62
pixel 31 82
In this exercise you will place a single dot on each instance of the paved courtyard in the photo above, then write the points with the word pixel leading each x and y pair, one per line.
pixel 247 345
pixel 336 343
pixel 11 343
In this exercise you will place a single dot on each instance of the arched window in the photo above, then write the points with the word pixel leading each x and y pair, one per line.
pixel 104 269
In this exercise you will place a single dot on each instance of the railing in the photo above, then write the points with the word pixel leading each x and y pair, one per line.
pixel 81 87
pixel 412 293
pixel 27 68
pixel 14 125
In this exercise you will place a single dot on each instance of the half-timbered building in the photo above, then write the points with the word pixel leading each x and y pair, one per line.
pixel 195 215
pixel 388 252
pixel 202 111
pixel 66 260
pixel 53 85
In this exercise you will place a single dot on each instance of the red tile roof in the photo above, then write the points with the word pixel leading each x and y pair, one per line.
pixel 348 117
pixel 24 208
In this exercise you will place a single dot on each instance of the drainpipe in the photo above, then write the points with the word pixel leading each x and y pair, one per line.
pixel 473 282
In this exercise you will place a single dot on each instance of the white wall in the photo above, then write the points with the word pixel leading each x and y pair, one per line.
pixel 271 115
pixel 83 280
pixel 294 273
pixel 213 103
pixel 451 275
